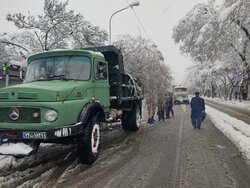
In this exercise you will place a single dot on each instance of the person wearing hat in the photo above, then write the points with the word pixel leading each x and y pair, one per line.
pixel 197 109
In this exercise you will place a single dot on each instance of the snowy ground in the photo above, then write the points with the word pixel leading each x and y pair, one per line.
pixel 235 130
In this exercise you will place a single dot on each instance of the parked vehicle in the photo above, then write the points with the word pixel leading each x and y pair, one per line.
pixel 67 96
pixel 181 95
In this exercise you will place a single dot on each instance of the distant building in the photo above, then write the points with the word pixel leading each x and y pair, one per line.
pixel 14 76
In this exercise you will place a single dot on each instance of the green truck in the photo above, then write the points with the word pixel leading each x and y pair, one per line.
pixel 67 97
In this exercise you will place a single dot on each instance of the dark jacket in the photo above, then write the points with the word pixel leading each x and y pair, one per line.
pixel 169 101
pixel 197 104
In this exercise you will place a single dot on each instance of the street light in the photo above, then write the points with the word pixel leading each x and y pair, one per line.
pixel 131 5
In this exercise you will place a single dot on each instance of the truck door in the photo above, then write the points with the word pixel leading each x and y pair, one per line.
pixel 101 84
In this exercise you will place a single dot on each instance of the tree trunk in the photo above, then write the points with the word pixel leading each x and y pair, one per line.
pixel 248 90
pixel 231 93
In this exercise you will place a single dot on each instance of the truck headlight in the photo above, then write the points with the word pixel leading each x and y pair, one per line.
pixel 51 115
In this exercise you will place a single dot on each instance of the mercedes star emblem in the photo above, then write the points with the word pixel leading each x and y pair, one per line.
pixel 14 113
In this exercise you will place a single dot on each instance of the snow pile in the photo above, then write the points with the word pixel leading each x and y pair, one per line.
pixel 237 131
pixel 6 161
pixel 15 149
pixel 231 103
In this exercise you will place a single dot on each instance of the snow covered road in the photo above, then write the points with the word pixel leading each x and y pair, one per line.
pixel 163 154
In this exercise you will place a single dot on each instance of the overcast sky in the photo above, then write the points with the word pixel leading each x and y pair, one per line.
pixel 158 18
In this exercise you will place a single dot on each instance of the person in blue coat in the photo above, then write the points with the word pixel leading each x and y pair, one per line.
pixel 197 110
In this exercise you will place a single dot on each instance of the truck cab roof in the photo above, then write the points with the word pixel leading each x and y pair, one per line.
pixel 61 52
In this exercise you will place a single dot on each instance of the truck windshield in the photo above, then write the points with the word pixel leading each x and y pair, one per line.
pixel 180 89
pixel 55 68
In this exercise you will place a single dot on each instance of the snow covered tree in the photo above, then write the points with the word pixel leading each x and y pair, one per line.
pixel 195 34
pixel 59 28
pixel 11 50
pixel 144 61
pixel 56 28
pixel 211 33
pixel 4 58
pixel 236 15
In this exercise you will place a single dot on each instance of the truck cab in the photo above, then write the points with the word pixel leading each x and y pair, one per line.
pixel 181 95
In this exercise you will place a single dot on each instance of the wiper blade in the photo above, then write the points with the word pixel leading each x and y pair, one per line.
pixel 58 77
pixel 42 79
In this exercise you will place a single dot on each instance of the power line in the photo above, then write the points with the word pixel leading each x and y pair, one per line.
pixel 144 30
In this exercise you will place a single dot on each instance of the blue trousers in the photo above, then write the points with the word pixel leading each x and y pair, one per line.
pixel 196 118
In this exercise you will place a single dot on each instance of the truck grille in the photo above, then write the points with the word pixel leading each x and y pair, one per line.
pixel 4 96
pixel 25 115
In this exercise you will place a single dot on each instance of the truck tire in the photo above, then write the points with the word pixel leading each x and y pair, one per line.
pixel 125 121
pixel 88 143
pixel 131 120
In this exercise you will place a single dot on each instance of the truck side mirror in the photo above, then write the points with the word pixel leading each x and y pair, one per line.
pixel 21 74
pixel 101 71
pixel 104 72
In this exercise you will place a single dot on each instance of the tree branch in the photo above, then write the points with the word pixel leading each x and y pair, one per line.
pixel 14 44
pixel 242 27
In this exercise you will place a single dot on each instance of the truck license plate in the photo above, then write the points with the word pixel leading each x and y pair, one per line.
pixel 34 135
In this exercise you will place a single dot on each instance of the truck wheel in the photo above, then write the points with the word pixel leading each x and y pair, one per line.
pixel 132 120
pixel 126 121
pixel 136 118
pixel 88 143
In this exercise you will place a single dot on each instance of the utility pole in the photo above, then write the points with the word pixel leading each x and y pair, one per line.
pixel 131 5
pixel 7 80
